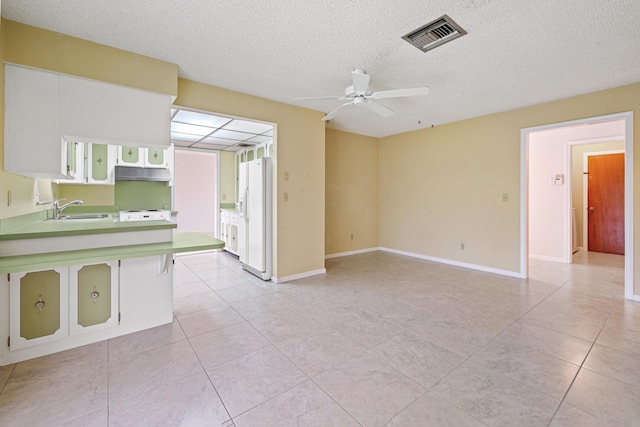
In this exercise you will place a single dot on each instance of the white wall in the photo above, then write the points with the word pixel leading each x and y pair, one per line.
pixel 195 188
pixel 550 205
pixel 547 204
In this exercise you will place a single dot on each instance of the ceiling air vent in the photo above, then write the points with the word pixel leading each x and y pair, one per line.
pixel 435 33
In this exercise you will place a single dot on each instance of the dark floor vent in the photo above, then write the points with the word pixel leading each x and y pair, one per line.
pixel 435 33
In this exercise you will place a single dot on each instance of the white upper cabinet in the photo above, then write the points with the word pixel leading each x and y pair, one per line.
pixel 32 133
pixel 44 110
pixel 102 112
pixel 94 164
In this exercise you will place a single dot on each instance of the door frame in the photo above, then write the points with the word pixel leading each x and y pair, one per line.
pixel 628 192
pixel 585 192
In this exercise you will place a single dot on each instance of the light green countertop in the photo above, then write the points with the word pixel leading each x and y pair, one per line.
pixel 182 242
pixel 77 227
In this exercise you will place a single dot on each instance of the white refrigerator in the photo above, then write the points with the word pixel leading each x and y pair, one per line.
pixel 255 224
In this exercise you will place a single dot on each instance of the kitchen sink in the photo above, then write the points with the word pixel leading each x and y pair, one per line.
pixel 84 216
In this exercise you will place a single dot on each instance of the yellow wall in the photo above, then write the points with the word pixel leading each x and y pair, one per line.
pixel 443 186
pixel 299 151
pixel 351 192
pixel 227 177
pixel 299 141
pixel 64 54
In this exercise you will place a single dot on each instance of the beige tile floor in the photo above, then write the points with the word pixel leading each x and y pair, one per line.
pixel 381 339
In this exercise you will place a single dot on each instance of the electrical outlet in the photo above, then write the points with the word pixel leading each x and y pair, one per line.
pixel 286 197
pixel 224 197
pixel 462 246
pixel 505 197
pixel 351 236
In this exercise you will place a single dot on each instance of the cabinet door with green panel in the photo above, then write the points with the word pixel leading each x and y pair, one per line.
pixel 101 159
pixel 38 307
pixel 157 158
pixel 131 156
pixel 93 297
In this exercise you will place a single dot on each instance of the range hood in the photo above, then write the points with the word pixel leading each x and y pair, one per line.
pixel 131 173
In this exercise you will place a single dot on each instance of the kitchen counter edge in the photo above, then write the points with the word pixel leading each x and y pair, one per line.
pixel 65 228
pixel 182 242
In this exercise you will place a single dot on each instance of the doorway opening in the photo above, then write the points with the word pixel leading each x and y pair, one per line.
pixel 195 190
pixel 547 199
pixel 209 149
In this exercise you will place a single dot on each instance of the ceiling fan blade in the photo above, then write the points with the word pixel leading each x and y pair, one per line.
pixel 378 108
pixel 335 112
pixel 360 81
pixel 397 93
pixel 311 98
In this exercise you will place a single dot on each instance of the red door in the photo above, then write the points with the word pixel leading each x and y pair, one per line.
pixel 606 203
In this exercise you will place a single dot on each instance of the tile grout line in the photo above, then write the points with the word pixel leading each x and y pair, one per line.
pixel 195 353
pixel 575 377
pixel 8 378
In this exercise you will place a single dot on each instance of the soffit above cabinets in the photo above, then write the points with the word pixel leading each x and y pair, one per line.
pixel 210 132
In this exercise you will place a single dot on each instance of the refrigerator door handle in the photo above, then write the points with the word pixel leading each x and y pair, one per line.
pixel 244 205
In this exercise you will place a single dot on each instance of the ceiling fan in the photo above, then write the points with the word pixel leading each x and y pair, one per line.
pixel 358 94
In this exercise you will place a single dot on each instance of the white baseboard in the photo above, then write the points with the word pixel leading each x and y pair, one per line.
pixel 298 276
pixel 457 263
pixel 546 258
pixel 359 251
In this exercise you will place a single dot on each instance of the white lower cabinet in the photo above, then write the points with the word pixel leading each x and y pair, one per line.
pixel 54 304
pixel 229 230
pixel 55 309
pixel 146 292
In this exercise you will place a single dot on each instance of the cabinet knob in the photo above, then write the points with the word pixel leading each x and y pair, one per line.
pixel 95 295
pixel 40 304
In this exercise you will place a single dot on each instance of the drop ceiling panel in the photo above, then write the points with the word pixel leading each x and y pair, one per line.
pixel 201 119
pixel 232 134
pixel 179 143
pixel 209 146
pixel 191 129
pixel 248 127
pixel 218 141
pixel 185 137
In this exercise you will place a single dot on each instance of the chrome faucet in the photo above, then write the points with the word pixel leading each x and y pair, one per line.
pixel 57 209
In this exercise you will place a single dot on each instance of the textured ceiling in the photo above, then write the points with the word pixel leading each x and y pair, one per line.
pixel 516 53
